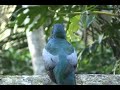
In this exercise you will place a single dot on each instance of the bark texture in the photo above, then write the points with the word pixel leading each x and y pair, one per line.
pixel 82 79
pixel 36 43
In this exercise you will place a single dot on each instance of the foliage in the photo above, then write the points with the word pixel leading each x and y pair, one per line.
pixel 16 62
pixel 94 31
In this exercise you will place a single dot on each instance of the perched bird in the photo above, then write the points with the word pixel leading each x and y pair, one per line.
pixel 60 57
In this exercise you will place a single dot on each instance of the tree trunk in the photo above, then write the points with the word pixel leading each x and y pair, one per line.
pixel 36 43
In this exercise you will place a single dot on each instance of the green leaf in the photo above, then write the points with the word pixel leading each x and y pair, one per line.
pixel 37 16
pixel 86 19
pixel 20 18
pixel 100 38
pixel 83 53
pixel 93 47
pixel 11 24
pixel 73 27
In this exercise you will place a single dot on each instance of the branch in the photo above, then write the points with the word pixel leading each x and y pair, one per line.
pixel 82 79
pixel 76 13
pixel 105 13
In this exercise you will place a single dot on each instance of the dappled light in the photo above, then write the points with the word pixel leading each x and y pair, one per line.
pixel 93 30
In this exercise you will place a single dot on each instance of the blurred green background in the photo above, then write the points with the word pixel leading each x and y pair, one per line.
pixel 94 31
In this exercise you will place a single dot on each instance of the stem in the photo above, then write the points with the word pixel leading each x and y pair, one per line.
pixel 105 13
pixel 93 12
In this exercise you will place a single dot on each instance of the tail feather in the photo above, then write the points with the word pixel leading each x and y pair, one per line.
pixel 64 72
pixel 51 75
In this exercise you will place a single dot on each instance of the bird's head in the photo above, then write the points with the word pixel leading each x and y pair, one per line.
pixel 58 31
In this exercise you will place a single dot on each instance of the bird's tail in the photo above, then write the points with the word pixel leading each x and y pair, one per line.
pixel 64 72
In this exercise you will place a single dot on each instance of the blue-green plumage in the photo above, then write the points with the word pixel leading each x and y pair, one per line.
pixel 60 57
pixel 64 72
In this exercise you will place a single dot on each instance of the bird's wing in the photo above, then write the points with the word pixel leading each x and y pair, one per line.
pixel 73 58
pixel 49 59
pixel 50 62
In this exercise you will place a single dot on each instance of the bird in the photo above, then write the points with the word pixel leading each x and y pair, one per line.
pixel 60 57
